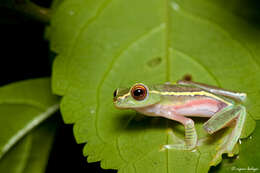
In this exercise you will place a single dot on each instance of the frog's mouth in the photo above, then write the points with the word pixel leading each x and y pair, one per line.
pixel 119 104
pixel 119 107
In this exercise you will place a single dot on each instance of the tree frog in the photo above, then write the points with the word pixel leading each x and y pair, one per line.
pixel 186 99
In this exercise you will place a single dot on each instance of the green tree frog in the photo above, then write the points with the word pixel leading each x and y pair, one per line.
pixel 186 99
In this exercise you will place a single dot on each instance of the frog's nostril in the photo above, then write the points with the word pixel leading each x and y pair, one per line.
pixel 115 93
pixel 114 99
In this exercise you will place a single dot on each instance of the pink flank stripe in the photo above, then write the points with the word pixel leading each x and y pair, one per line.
pixel 202 107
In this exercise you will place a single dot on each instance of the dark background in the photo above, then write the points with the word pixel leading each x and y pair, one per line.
pixel 25 55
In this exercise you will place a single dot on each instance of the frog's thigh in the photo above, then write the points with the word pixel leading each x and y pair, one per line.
pixel 220 119
pixel 223 118
pixel 236 132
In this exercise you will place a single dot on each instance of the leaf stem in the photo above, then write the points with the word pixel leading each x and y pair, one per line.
pixel 28 127
pixel 27 7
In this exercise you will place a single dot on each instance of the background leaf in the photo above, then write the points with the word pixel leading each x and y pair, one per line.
pixel 24 105
pixel 108 44
pixel 31 153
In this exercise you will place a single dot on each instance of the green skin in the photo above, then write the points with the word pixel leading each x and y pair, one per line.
pixel 186 98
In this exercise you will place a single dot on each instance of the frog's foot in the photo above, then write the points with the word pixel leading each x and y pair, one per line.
pixel 190 138
pixel 190 134
pixel 224 149
pixel 178 147
pixel 236 114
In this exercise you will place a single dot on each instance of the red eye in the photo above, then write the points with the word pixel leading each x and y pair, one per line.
pixel 139 92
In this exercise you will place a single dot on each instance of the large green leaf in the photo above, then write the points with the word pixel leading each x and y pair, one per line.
pixel 106 44
pixel 24 105
pixel 30 154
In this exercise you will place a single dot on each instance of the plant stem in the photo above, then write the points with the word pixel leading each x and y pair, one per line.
pixel 27 7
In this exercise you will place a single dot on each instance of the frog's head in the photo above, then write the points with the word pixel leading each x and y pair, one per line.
pixel 138 96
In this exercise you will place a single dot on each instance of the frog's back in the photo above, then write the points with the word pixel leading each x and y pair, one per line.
pixel 177 88
pixel 178 94
pixel 185 99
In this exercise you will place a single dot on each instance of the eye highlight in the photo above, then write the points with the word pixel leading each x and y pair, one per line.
pixel 139 92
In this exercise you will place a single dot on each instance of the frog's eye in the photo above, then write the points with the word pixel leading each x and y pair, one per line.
pixel 139 92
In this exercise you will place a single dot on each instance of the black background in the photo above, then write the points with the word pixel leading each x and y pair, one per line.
pixel 25 55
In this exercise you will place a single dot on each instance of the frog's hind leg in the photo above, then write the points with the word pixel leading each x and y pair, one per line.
pixel 224 118
pixel 235 95
pixel 190 134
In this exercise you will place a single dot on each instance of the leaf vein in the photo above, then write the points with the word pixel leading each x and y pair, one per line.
pixel 84 27
pixel 119 151
pixel 200 64
pixel 197 163
pixel 135 169
pixel 217 26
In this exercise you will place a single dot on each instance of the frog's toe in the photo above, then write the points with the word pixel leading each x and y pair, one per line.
pixel 178 147
pixel 208 129
pixel 233 151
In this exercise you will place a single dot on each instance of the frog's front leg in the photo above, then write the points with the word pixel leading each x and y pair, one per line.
pixel 190 134
pixel 224 118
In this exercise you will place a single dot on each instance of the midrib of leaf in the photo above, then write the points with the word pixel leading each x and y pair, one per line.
pixel 167 47
pixel 198 161
pixel 167 40
pixel 49 111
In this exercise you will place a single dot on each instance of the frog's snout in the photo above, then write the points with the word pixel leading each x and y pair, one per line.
pixel 115 92
pixel 120 98
pixel 117 102
pixel 115 95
